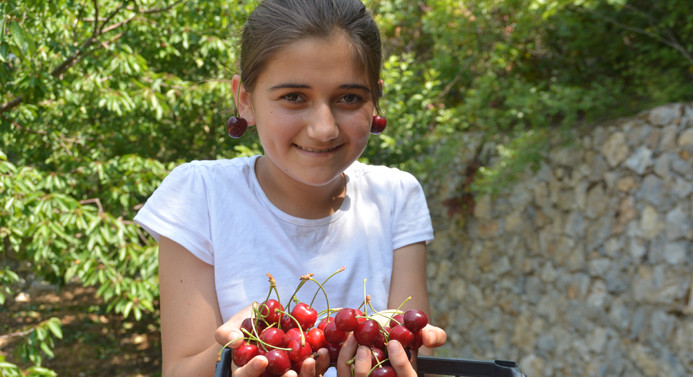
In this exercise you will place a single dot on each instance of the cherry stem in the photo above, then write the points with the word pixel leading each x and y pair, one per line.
pixel 323 283
pixel 378 364
pixel 320 288
pixel 298 325
pixel 366 299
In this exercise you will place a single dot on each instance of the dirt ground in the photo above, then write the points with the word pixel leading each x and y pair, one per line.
pixel 95 343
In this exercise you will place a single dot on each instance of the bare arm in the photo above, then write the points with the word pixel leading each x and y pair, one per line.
pixel 189 312
pixel 409 279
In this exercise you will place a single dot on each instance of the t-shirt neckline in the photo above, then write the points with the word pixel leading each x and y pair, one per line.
pixel 262 197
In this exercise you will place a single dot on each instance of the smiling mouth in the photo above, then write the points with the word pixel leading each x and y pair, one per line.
pixel 316 150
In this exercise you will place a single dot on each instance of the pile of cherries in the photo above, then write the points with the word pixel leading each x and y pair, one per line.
pixel 288 337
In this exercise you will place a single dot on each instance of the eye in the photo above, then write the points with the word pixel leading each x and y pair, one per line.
pixel 351 99
pixel 292 97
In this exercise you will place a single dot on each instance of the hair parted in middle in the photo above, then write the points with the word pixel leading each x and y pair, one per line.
pixel 277 23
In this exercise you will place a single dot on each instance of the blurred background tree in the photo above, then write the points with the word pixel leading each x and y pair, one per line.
pixel 101 99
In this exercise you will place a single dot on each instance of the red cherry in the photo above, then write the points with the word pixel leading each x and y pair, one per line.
pixel 305 315
pixel 278 361
pixel 401 334
pixel 415 319
pixel 383 371
pixel 333 334
pixel 299 352
pixel 333 349
pixel 379 124
pixel 359 315
pixel 366 332
pixel 323 322
pixel 271 310
pixel 380 342
pixel 243 354
pixel 417 342
pixel 288 323
pixel 236 126
pixel 247 325
pixel 273 336
pixel 377 355
pixel 345 319
pixel 316 338
pixel 292 334
pixel 397 319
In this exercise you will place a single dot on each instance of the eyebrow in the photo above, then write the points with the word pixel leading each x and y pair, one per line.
pixel 290 85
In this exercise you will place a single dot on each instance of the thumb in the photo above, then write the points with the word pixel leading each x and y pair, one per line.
pixel 230 333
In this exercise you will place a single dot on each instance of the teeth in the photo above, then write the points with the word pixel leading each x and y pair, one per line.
pixel 316 150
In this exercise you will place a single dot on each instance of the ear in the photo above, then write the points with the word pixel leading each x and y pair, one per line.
pixel 242 99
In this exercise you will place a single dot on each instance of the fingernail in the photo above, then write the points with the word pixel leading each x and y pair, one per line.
pixel 235 335
pixel 394 347
pixel 362 353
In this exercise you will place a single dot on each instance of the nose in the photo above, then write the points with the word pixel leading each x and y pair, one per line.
pixel 323 124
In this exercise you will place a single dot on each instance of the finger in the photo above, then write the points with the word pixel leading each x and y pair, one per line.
pixel 254 368
pixel 399 361
pixel 230 331
pixel 322 363
pixel 345 354
pixel 362 363
pixel 433 336
pixel 307 368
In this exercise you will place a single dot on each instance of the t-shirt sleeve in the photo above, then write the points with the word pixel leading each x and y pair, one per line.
pixel 178 210
pixel 411 218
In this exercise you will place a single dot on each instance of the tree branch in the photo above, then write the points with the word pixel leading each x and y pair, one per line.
pixel 671 42
pixel 98 31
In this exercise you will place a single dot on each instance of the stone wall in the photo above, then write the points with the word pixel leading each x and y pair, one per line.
pixel 585 267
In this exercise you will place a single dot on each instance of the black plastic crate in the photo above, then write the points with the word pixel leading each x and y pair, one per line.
pixel 425 364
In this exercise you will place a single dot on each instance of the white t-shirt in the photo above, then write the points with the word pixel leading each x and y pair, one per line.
pixel 218 211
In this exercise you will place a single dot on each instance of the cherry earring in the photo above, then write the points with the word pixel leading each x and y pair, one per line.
pixel 236 126
pixel 378 125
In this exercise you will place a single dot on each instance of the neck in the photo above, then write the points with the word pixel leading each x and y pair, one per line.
pixel 297 198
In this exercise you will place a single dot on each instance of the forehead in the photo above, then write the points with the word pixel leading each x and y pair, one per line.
pixel 315 59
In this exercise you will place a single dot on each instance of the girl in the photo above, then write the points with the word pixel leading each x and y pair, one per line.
pixel 310 84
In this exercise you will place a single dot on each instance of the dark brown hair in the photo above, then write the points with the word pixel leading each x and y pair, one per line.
pixel 276 23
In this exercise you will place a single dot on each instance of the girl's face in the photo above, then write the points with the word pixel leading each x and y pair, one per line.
pixel 313 110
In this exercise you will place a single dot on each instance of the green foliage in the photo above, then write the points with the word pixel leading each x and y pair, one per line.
pixel 101 99
pixel 511 70
pixel 37 342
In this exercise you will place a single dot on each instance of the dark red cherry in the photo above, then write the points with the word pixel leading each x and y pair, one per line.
pixel 415 319
pixel 397 319
pixel 401 334
pixel 379 124
pixel 278 361
pixel 236 126
pixel 247 325
pixel 366 332
pixel 377 355
pixel 333 334
pixel 383 371
pixel 333 349
pixel 345 319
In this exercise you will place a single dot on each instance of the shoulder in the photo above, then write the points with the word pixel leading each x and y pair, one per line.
pixel 238 164
pixel 380 175
pixel 213 169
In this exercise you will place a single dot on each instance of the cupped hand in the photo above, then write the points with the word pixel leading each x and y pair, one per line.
pixel 230 335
